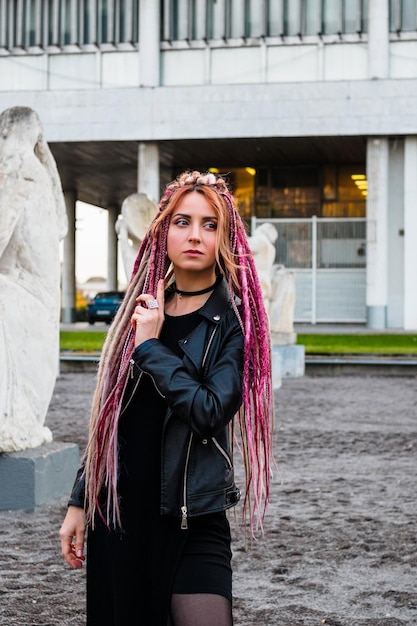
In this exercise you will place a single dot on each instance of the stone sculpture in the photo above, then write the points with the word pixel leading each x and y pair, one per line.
pixel 137 213
pixel 33 220
pixel 262 244
pixel 282 305
pixel 278 288
pixel 277 283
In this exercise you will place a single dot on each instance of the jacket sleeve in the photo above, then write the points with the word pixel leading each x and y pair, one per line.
pixel 78 490
pixel 206 403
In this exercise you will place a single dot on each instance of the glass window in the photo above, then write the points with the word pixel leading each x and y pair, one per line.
pixel 332 16
pixel 402 15
pixel 351 18
pixel 292 18
pixel 408 15
pixel 244 189
pixel 295 192
pixel 262 193
pixel 66 19
pixel 349 199
pixel 351 183
pixel 237 19
pixel 255 19
pixel 313 17
pixel 288 192
pixel 326 191
pixel 364 16
pixel 216 24
pixel 199 19
pixel 275 19
pixel 395 15
pixel 180 19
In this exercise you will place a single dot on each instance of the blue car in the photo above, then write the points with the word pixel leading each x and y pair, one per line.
pixel 103 307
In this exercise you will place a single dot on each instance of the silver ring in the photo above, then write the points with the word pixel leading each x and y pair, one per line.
pixel 152 304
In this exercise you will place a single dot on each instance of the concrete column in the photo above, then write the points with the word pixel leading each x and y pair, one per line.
pixel 377 232
pixel 112 243
pixel 378 39
pixel 148 170
pixel 149 38
pixel 410 233
pixel 395 313
pixel 68 312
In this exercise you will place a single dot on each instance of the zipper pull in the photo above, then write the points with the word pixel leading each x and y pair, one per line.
pixel 184 523
pixel 131 364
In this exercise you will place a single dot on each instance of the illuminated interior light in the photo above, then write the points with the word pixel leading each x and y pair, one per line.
pixel 213 170
pixel 250 170
pixel 358 177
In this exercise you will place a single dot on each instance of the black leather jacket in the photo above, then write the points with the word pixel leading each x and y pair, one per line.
pixel 203 391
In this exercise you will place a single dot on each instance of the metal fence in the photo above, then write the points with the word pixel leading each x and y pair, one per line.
pixel 328 258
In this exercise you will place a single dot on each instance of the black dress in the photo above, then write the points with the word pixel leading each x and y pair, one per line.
pixel 131 573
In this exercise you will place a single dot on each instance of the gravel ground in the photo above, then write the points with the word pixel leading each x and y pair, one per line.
pixel 340 535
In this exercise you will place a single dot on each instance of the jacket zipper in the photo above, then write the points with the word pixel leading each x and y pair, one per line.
pixel 131 374
pixel 222 451
pixel 131 364
pixel 184 508
pixel 208 346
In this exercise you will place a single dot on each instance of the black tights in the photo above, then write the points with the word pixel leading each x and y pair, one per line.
pixel 200 609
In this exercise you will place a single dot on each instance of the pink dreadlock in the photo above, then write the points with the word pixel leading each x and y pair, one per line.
pixel 235 262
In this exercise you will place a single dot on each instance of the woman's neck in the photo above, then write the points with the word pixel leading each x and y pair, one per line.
pixel 189 296
pixel 188 286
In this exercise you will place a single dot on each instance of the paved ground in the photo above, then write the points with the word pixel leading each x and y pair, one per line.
pixel 340 544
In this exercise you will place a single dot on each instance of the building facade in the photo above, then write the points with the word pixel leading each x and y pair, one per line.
pixel 308 106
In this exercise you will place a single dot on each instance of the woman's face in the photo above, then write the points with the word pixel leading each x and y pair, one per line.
pixel 191 242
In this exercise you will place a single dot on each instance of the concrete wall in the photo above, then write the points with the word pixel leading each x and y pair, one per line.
pixel 382 107
pixel 203 65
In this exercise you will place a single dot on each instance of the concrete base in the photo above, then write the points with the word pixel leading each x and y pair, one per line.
pixel 32 477
pixel 376 317
pixel 288 362
pixel 283 339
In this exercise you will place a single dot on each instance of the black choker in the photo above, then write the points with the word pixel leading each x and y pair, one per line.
pixel 196 293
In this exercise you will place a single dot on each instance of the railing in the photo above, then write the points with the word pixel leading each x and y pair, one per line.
pixel 40 24
pixel 43 24
pixel 231 19
pixel 328 258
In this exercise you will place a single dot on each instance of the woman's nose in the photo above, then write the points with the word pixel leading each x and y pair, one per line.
pixel 195 234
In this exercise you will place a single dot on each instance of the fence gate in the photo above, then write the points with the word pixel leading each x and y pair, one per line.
pixel 328 258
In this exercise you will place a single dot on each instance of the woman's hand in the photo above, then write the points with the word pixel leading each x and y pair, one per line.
pixel 72 535
pixel 149 315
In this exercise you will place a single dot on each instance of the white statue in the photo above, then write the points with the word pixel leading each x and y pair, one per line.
pixel 262 244
pixel 137 212
pixel 33 220
pixel 277 283
pixel 282 305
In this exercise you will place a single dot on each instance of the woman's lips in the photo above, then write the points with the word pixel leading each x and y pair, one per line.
pixel 193 252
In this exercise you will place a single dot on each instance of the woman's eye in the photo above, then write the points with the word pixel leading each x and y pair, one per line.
pixel 181 221
pixel 211 225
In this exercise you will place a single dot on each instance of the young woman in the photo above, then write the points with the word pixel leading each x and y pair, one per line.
pixel 186 357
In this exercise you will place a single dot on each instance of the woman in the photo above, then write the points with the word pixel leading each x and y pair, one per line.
pixel 187 352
